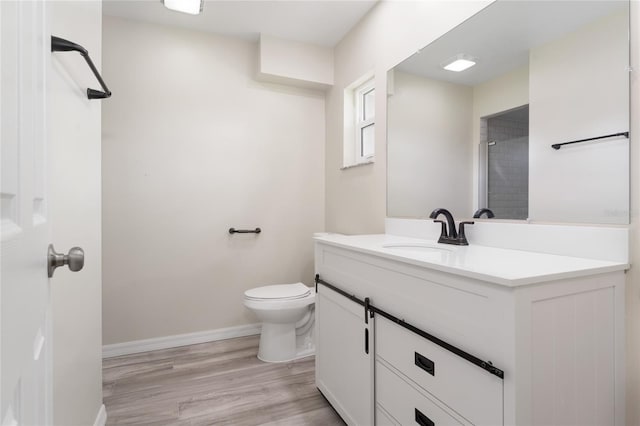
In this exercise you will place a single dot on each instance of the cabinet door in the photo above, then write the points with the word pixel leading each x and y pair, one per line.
pixel 344 369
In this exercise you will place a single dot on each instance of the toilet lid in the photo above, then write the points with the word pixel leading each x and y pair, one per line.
pixel 281 291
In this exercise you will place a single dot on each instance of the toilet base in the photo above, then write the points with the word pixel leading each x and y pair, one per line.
pixel 278 343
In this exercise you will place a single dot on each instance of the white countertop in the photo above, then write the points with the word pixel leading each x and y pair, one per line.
pixel 506 267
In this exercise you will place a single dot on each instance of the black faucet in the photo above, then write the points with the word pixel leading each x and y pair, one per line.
pixel 448 234
pixel 482 211
pixel 451 225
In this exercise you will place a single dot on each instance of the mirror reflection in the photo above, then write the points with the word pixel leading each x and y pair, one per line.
pixel 472 116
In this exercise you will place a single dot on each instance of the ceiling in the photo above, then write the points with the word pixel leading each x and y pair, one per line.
pixel 320 22
pixel 501 36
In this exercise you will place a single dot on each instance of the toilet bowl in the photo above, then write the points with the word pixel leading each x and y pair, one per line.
pixel 287 315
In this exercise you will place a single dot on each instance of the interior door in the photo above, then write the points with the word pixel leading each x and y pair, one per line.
pixel 25 344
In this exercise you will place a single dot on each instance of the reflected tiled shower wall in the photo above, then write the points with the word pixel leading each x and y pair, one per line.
pixel 508 164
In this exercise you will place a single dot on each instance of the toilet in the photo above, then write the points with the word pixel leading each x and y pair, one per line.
pixel 288 316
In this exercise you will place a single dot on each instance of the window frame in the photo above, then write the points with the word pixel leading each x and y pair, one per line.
pixel 359 121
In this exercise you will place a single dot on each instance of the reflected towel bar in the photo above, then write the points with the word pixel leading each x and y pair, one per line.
pixel 244 231
pixel 559 145
pixel 61 45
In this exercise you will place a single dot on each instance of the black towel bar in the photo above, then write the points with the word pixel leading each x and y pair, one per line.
pixel 244 231
pixel 61 45
pixel 559 145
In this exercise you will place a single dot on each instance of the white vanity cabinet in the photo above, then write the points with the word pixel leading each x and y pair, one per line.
pixel 451 348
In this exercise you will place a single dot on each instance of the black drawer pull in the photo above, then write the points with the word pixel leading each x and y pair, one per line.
pixel 423 420
pixel 425 363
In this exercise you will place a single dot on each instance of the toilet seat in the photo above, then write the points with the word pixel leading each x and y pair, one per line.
pixel 278 292
pixel 282 296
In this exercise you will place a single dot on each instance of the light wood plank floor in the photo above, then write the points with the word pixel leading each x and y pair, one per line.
pixel 221 383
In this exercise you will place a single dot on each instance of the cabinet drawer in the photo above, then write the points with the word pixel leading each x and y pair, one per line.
pixel 406 404
pixel 469 390
pixel 383 418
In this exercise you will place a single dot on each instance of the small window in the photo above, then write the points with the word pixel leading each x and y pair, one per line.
pixel 365 102
pixel 359 122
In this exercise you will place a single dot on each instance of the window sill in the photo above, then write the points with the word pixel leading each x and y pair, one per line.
pixel 351 166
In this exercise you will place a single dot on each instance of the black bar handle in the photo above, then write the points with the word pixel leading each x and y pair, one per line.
pixel 423 420
pixel 61 45
pixel 425 363
pixel 366 341
pixel 613 135
pixel 244 231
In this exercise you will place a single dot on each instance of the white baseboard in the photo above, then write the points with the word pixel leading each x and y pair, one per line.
pixel 101 418
pixel 166 342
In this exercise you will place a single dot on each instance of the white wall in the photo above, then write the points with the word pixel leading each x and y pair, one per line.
pixel 429 147
pixel 295 63
pixel 633 276
pixel 193 145
pixel 502 93
pixel 559 73
pixel 389 33
pixel 76 215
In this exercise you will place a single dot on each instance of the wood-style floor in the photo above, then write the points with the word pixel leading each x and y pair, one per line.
pixel 221 383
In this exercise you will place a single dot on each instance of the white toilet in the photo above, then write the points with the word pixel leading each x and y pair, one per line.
pixel 287 315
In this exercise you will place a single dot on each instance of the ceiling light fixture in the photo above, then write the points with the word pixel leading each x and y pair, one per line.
pixel 192 7
pixel 460 62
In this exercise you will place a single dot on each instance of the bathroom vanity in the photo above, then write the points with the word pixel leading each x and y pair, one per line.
pixel 525 326
pixel 414 332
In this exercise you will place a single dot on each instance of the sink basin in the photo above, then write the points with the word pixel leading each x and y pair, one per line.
pixel 418 248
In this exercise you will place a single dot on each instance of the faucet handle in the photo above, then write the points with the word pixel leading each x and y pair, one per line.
pixel 461 227
pixel 443 227
pixel 461 236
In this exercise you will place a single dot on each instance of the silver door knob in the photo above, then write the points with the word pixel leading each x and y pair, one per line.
pixel 75 259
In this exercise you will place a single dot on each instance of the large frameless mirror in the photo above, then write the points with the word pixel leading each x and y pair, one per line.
pixel 539 73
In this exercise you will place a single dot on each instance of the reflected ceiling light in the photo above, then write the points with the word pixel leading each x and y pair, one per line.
pixel 192 7
pixel 460 62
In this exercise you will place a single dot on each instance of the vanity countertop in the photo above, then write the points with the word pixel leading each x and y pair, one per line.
pixel 506 267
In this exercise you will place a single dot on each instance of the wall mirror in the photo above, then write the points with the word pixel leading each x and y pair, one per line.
pixel 543 73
